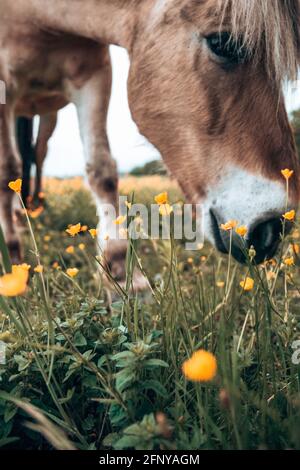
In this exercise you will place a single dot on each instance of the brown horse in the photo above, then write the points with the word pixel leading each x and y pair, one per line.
pixel 205 87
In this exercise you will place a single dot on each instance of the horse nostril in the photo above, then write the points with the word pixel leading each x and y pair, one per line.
pixel 265 237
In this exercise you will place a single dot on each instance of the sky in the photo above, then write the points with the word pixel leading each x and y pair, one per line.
pixel 65 157
pixel 129 148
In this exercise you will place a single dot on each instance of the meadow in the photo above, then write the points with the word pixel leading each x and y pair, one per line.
pixel 89 367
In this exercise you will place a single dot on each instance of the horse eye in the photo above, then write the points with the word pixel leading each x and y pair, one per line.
pixel 226 48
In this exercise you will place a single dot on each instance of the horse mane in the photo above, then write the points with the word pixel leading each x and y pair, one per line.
pixel 268 27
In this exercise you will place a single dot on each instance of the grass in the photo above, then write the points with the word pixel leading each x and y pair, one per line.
pixel 84 371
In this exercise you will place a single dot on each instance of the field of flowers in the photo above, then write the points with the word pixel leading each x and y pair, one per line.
pixel 207 358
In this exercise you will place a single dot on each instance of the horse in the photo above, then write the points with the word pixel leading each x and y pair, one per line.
pixel 34 154
pixel 205 88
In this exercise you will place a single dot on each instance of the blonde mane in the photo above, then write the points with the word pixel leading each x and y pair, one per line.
pixel 269 27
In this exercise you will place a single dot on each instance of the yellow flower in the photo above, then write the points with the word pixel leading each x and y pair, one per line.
pixel 39 269
pixel 70 250
pixel 24 266
pixel 201 367
pixel 74 230
pixel 21 270
pixel 128 205
pixel 14 283
pixel 287 174
pixel 165 209
pixel 220 284
pixel 55 265
pixel 36 213
pixel 289 261
pixel 93 232
pixel 84 228
pixel 7 337
pixel 290 215
pixel 241 231
pixel 47 238
pixel 161 198
pixel 271 275
pixel 81 246
pixel 295 248
pixel 247 284
pixel 120 220
pixel 252 252
pixel 229 225
pixel 72 272
pixel 16 186
pixel 190 260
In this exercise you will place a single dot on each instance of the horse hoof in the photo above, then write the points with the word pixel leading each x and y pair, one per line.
pixel 15 252
pixel 139 283
pixel 115 269
pixel 19 218
pixel 115 276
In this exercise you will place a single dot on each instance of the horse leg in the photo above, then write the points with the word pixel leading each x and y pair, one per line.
pixel 92 102
pixel 46 129
pixel 10 169
pixel 24 138
pixel 26 183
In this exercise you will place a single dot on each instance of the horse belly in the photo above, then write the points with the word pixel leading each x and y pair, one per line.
pixel 42 78
pixel 30 106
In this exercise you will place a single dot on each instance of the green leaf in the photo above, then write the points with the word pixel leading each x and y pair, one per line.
pixel 124 379
pixel 79 339
pixel 127 442
pixel 23 363
pixel 69 396
pixel 118 415
pixel 8 440
pixel 110 439
pixel 123 355
pixel 152 363
pixel 10 412
pixel 154 385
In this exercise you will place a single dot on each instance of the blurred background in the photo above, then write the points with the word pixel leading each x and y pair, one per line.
pixel 129 148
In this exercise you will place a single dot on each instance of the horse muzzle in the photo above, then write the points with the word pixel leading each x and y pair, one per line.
pixel 264 235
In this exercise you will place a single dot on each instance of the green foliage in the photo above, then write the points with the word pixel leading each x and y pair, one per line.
pixel 156 167
pixel 108 374
pixel 65 210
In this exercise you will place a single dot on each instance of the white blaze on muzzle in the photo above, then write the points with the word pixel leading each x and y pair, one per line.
pixel 246 198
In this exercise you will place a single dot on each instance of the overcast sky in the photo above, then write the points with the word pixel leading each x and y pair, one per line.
pixel 65 157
